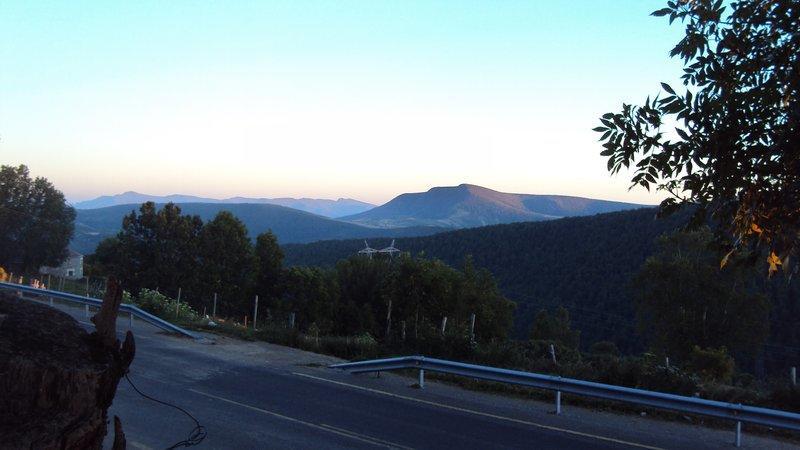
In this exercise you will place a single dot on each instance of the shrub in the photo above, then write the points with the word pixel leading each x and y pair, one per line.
pixel 604 348
pixel 711 364
pixel 159 304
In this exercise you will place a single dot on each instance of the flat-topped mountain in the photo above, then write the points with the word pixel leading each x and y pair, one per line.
pixel 467 205
pixel 319 206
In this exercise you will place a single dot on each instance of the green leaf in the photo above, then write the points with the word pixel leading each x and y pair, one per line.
pixel 661 12
pixel 667 88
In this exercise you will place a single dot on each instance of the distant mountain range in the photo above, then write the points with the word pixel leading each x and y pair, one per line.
pixel 308 220
pixel 322 207
pixel 467 206
pixel 289 225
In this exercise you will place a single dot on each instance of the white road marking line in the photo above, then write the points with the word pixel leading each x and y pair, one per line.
pixel 390 444
pixel 479 413
pixel 329 429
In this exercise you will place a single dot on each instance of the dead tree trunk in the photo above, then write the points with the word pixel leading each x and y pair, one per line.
pixel 57 381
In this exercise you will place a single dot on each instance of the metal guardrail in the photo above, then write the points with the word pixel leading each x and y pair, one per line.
pixel 690 405
pixel 124 307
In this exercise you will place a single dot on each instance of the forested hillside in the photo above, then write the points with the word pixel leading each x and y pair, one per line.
pixel 585 264
pixel 582 263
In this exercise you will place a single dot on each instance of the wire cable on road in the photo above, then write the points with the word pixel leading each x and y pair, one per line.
pixel 197 434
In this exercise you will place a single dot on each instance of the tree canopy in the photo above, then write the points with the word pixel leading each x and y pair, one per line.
pixel 226 262
pixel 728 141
pixel 157 249
pixel 684 299
pixel 36 224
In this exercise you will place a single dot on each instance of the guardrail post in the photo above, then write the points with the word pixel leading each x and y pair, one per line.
pixel 421 378
pixel 86 310
pixel 738 441
pixel 130 321
pixel 558 403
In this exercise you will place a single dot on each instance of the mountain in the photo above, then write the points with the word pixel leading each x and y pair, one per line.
pixel 289 225
pixel 467 205
pixel 582 263
pixel 319 206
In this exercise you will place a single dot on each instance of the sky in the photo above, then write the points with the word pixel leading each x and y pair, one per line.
pixel 326 99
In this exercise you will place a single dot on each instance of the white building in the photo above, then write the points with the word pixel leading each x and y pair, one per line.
pixel 71 268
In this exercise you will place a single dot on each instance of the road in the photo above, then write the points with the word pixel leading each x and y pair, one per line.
pixel 261 396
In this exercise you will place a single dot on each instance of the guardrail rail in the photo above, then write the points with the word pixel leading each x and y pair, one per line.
pixel 690 405
pixel 133 310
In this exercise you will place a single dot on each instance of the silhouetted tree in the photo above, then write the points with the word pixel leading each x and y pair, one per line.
pixel 36 224
pixel 227 264
pixel 268 267
pixel 685 300
pixel 159 249
pixel 555 328
pixel 728 142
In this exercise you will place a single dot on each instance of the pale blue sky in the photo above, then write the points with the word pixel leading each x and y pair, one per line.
pixel 363 99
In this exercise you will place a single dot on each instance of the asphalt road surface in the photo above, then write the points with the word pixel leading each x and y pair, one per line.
pixel 262 396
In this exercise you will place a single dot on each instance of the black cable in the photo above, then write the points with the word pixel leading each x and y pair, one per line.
pixel 197 434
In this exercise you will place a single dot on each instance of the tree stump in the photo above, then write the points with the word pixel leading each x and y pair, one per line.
pixel 56 380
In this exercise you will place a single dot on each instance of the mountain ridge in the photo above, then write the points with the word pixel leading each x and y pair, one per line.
pixel 289 225
pixel 469 205
pixel 320 206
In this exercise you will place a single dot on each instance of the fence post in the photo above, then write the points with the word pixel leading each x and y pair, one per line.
pixel 87 286
pixel 178 303
pixel 389 319
pixel 793 375
pixel 130 321
pixel 472 327
pixel 255 314
pixel 291 320
pixel 403 330
pixel 214 311
pixel 48 281
pixel 444 324
pixel 553 353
